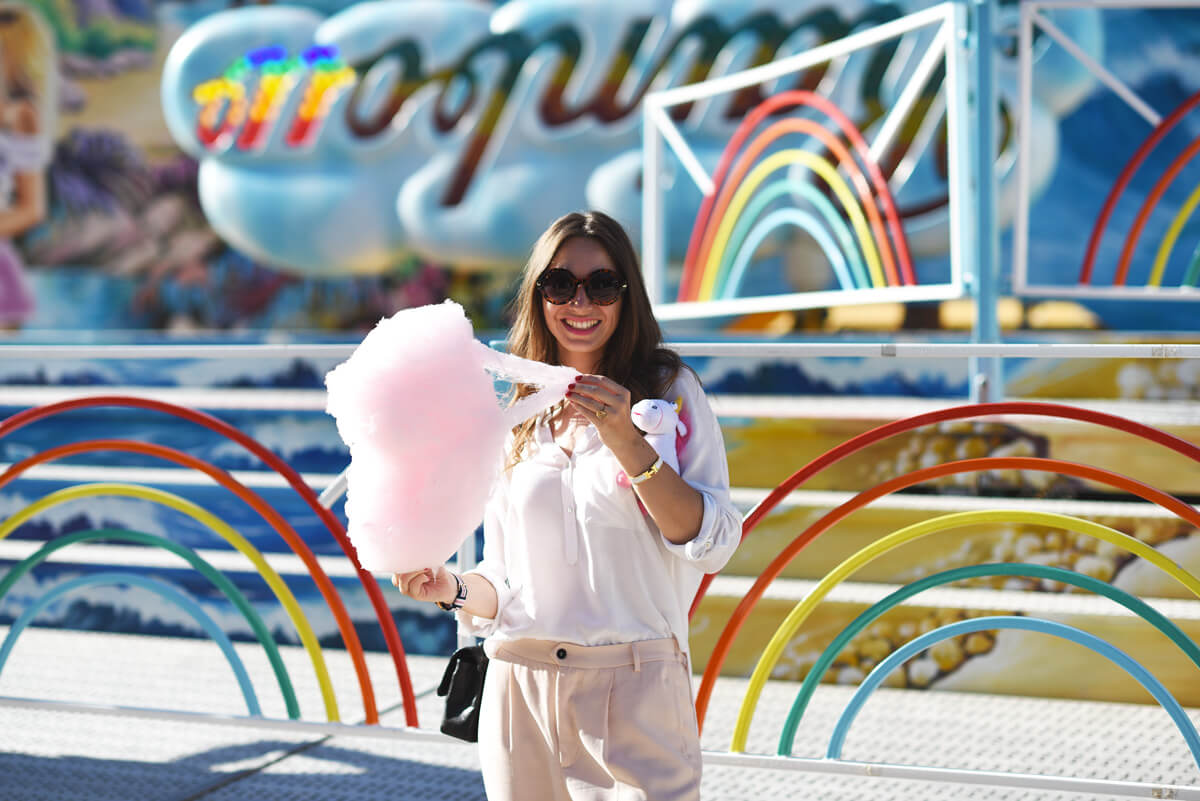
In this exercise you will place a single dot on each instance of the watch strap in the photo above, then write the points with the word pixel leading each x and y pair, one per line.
pixel 460 595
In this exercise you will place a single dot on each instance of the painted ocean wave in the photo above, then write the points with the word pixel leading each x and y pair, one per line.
pixel 136 610
pixel 307 441
pixel 136 514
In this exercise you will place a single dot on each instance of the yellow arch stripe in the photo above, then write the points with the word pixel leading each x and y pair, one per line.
pixel 791 624
pixel 222 528
pixel 785 158
pixel 1168 243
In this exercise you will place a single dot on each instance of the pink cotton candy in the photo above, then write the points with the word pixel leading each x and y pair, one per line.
pixel 417 406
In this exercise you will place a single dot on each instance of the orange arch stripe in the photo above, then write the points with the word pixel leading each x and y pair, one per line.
pixel 709 262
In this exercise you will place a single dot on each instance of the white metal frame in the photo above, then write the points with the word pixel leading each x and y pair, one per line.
pixel 658 128
pixel 1030 15
pixel 744 761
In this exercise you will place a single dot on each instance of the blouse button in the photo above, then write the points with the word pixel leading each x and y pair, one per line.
pixel 561 653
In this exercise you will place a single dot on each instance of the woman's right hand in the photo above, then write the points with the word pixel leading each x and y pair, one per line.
pixel 431 584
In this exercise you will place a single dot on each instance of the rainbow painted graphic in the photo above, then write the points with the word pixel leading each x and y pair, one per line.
pixel 235 113
pixel 728 229
pixel 1163 254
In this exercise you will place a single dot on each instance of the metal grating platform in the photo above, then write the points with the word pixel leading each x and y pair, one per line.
pixel 77 756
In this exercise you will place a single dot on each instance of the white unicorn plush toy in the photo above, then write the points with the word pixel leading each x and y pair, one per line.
pixel 660 420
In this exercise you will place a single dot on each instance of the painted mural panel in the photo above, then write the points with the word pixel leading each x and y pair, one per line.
pixel 302 171
pixel 443 135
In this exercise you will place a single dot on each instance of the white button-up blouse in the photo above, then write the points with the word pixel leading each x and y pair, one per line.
pixel 573 556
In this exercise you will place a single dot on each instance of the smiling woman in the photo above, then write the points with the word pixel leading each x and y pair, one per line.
pixel 585 581
pixel 580 322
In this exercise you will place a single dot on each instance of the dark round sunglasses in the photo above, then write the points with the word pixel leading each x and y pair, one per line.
pixel 603 287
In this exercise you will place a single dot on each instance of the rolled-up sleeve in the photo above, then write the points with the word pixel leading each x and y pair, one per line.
pixel 703 465
pixel 492 567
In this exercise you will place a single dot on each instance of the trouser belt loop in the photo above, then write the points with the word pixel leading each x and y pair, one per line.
pixel 637 658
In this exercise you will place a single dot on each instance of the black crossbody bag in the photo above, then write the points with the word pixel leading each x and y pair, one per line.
pixel 462 687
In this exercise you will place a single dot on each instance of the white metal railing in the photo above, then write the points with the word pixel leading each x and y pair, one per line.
pixel 785 350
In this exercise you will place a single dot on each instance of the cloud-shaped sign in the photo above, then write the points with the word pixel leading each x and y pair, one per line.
pixel 457 130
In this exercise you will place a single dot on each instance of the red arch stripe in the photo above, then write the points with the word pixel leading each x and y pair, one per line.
pixel 1160 188
pixel 1110 203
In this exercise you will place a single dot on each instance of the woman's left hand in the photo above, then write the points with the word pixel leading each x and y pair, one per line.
pixel 606 404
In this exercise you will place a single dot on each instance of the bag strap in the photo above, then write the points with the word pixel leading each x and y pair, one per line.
pixel 444 687
pixel 471 653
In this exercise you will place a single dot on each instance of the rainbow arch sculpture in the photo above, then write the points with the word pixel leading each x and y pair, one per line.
pixel 307 637
pixel 717 239
pixel 788 628
pixel 346 627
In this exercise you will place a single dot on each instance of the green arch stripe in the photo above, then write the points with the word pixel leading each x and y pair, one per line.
pixel 777 219
pixel 1139 607
pixel 1193 273
pixel 198 513
pixel 222 583
pixel 162 589
pixel 795 618
pixel 773 190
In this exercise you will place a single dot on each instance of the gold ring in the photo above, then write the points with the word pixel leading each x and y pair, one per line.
pixel 603 411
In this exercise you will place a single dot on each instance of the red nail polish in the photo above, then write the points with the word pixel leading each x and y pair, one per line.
pixel 570 386
pixel 578 378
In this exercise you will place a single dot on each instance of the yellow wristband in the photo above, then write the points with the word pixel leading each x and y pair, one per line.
pixel 649 472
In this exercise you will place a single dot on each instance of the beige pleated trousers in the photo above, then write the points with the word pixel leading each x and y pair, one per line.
pixel 565 722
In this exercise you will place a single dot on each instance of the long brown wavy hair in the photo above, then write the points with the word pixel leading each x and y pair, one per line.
pixel 633 357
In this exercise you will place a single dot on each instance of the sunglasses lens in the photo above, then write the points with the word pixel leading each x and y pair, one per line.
pixel 603 287
pixel 558 286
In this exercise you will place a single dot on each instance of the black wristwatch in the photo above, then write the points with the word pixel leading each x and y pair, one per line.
pixel 460 595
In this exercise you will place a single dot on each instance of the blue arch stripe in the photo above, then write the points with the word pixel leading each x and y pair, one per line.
pixel 793 216
pixel 913 647
pixel 809 192
pixel 163 589
pixel 1132 603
